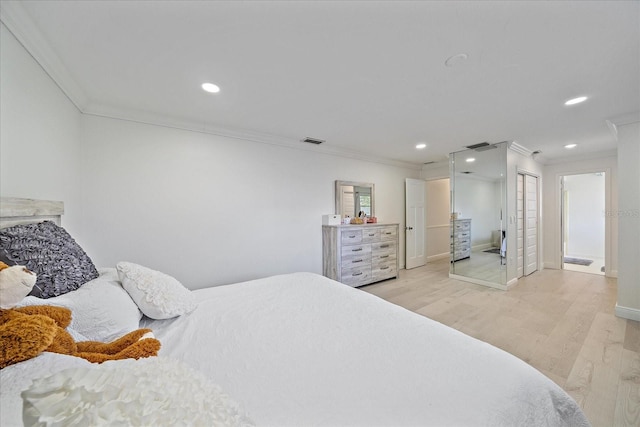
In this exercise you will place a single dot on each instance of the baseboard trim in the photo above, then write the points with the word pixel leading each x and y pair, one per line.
pixel 628 313
pixel 481 247
pixel 433 258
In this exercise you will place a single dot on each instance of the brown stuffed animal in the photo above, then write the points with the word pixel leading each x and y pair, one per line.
pixel 26 332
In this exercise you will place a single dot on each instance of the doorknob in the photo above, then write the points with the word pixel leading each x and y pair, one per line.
pixel 408 228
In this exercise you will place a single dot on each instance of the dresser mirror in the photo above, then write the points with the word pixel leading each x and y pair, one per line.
pixel 355 197
pixel 478 223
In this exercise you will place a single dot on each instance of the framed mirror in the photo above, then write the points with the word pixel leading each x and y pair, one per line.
pixel 355 197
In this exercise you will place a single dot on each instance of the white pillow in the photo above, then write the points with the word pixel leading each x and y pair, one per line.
pixel 151 392
pixel 158 295
pixel 101 310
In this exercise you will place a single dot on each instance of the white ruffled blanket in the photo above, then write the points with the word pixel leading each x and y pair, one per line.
pixel 147 392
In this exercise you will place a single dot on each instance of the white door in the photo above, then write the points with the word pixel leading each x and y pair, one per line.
pixel 414 223
pixel 520 225
pixel 531 224
pixel 437 219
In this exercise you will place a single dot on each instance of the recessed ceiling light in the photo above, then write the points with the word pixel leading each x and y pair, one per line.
pixel 570 146
pixel 210 87
pixel 575 101
pixel 421 146
pixel 471 159
pixel 456 59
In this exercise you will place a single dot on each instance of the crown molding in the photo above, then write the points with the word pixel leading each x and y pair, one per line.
pixel 19 23
pixel 521 149
pixel 625 119
pixel 585 156
pixel 153 119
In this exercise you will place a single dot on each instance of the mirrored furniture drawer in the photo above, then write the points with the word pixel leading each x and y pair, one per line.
pixel 460 239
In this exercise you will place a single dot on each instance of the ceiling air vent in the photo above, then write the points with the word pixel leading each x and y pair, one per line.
pixel 313 141
pixel 474 146
pixel 481 147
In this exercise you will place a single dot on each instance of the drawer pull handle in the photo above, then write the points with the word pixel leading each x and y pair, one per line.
pixel 356 250
pixel 357 274
pixel 384 246
pixel 384 256
pixel 355 261
pixel 352 236
pixel 384 268
pixel 388 232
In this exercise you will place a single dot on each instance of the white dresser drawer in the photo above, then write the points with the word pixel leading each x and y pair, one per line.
pixel 389 233
pixel 378 259
pixel 384 271
pixel 371 235
pixel 352 251
pixel 352 261
pixel 357 276
pixel 383 247
pixel 351 236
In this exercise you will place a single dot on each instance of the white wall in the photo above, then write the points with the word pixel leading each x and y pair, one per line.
pixel 585 215
pixel 212 210
pixel 552 208
pixel 628 216
pixel 39 134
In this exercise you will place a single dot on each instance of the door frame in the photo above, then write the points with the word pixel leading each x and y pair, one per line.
pixel 608 248
pixel 608 271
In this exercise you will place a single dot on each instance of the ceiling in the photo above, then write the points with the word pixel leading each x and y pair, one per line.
pixel 366 77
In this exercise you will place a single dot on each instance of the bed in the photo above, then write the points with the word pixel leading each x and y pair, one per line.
pixel 288 350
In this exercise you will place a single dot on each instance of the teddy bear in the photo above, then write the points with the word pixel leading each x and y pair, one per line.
pixel 25 332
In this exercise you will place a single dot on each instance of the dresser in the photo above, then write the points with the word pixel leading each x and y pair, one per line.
pixel 357 255
pixel 460 239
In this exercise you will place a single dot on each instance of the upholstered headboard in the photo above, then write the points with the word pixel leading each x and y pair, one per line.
pixel 14 211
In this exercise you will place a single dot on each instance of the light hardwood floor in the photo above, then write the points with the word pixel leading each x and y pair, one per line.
pixel 560 322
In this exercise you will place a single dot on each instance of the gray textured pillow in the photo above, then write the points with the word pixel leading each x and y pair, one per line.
pixel 50 252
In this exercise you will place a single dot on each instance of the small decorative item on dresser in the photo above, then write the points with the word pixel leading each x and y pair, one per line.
pixel 331 219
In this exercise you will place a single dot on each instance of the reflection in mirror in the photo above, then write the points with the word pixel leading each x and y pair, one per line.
pixel 355 197
pixel 478 201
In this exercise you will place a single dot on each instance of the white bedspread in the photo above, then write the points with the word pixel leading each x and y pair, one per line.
pixel 301 350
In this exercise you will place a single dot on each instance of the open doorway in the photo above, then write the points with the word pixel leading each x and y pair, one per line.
pixel 583 222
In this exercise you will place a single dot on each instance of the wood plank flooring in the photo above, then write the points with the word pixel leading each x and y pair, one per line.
pixel 560 322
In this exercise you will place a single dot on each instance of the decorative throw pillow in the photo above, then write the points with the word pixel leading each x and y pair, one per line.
pixel 101 310
pixel 158 295
pixel 150 392
pixel 49 251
